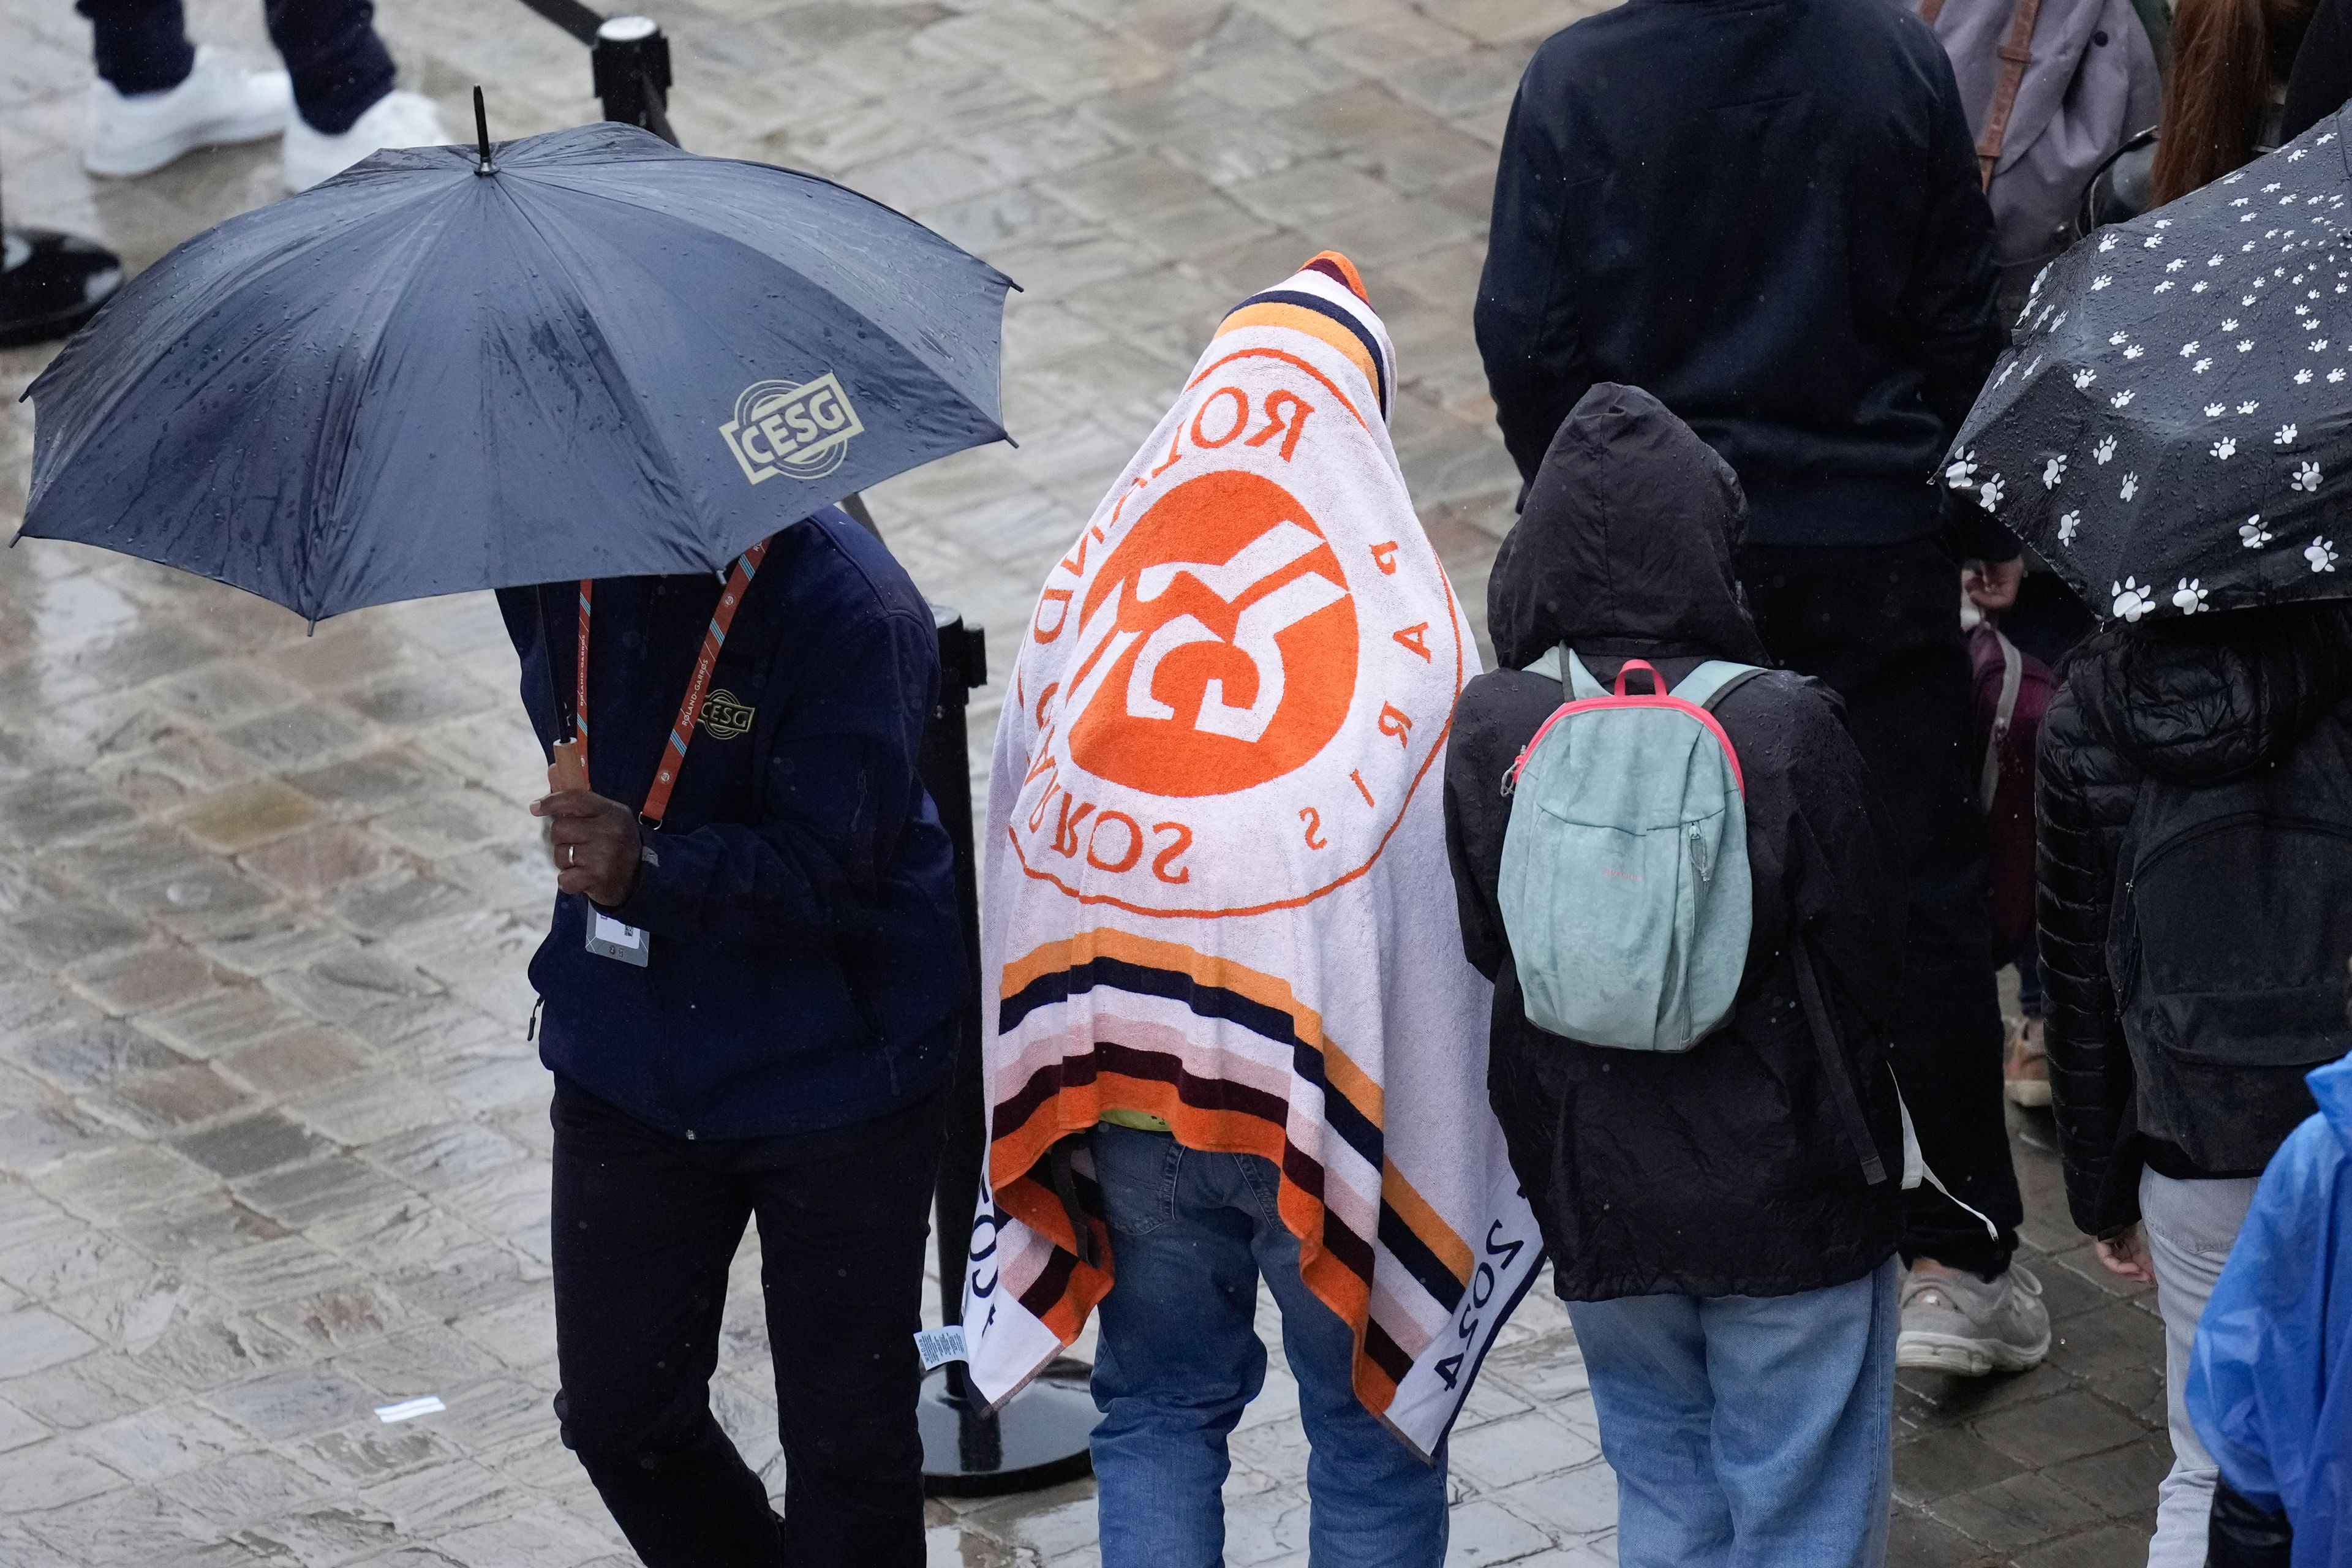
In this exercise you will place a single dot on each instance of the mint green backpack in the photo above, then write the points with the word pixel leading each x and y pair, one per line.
pixel 1624 883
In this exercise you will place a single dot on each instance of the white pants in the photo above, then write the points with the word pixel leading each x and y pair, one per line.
pixel 2190 1227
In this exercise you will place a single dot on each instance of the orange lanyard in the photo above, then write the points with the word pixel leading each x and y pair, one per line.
pixel 747 566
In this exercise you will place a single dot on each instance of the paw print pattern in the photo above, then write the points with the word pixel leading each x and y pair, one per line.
pixel 2333 376
pixel 2226 448
pixel 2202 366
pixel 2133 351
pixel 2101 281
pixel 2118 339
pixel 2131 485
pixel 2252 533
pixel 2083 378
pixel 2189 597
pixel 2067 524
pixel 2302 378
pixel 1960 472
pixel 2321 554
pixel 2052 471
pixel 2306 479
pixel 2284 437
pixel 2215 410
pixel 2132 601
pixel 2248 408
pixel 2107 243
pixel 2120 398
pixel 2105 450
pixel 1989 493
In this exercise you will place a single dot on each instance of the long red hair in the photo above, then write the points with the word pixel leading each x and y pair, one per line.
pixel 2227 55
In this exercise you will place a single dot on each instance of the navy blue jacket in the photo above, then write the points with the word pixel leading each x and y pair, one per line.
pixel 1766 214
pixel 806 961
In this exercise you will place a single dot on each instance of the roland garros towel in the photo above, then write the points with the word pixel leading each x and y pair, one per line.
pixel 1216 872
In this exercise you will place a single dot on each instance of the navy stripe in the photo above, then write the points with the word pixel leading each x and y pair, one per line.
pixel 1323 307
pixel 1340 1113
pixel 1423 1265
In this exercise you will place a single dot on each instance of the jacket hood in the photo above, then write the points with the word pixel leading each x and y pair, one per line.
pixel 2332 1086
pixel 2207 697
pixel 1625 543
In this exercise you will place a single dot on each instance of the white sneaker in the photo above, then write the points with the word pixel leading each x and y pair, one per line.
pixel 395 119
pixel 219 102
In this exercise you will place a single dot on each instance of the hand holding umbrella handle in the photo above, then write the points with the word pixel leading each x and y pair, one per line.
pixel 570 768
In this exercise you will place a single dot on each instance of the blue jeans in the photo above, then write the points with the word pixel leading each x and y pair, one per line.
pixel 1748 1430
pixel 1180 1358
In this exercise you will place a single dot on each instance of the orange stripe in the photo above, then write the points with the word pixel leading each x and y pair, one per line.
pixel 1437 1235
pixel 1293 318
pixel 1329 386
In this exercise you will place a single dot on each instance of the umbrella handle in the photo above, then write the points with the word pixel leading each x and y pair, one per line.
pixel 570 769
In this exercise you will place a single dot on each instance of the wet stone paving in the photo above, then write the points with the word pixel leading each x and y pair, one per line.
pixel 273 1145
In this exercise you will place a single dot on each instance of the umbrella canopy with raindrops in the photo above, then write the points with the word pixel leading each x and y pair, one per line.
pixel 2172 428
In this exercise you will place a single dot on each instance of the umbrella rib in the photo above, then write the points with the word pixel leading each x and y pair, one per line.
pixel 622 391
pixel 310 547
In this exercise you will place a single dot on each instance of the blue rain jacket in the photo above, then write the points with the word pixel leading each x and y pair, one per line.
pixel 2270 1385
pixel 806 961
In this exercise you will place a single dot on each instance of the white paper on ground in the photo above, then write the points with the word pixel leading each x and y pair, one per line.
pixel 409 1409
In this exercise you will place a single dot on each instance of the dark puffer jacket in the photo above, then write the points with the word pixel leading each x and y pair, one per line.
pixel 1725 1170
pixel 2199 700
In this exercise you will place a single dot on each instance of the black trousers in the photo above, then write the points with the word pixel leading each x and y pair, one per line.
pixel 1879 626
pixel 644 1227
pixel 338 65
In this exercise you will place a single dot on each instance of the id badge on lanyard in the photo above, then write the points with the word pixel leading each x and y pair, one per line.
pixel 609 938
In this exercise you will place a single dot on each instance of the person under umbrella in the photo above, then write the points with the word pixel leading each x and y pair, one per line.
pixel 2171 433
pixel 625 387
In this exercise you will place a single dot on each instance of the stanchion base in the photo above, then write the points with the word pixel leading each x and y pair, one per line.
pixel 1037 1440
pixel 51 283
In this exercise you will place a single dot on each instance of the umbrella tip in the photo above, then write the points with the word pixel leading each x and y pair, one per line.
pixel 482 135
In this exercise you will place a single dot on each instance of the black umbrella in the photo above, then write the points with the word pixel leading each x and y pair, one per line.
pixel 584 354
pixel 2172 430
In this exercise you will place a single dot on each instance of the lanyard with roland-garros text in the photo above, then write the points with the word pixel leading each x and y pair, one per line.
pixel 608 937
pixel 681 731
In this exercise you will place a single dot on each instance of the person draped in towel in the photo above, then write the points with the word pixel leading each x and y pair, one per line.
pixel 1728 1262
pixel 1229 1030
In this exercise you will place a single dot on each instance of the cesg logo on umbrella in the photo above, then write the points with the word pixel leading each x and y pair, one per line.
pixel 801 428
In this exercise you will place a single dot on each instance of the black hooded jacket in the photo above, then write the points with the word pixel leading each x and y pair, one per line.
pixel 2199 700
pixel 1727 1168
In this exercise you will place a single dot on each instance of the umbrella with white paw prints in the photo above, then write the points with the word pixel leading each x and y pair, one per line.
pixel 2172 428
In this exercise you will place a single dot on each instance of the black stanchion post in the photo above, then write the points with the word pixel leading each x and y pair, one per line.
pixel 631 61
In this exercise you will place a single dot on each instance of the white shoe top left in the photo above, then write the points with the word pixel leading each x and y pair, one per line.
pixel 219 102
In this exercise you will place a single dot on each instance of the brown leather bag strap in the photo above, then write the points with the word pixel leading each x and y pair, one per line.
pixel 2016 53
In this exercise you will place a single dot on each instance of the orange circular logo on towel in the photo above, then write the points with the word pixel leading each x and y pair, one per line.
pixel 1232 659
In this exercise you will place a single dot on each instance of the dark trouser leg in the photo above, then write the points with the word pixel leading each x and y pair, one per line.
pixel 643 1228
pixel 844 1219
pixel 1879 626
pixel 338 65
pixel 139 46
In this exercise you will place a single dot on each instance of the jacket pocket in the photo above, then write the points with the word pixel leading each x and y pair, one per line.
pixel 2223 1071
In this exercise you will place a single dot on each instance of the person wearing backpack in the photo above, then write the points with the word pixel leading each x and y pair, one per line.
pixel 1771 216
pixel 1709 889
pixel 2195 806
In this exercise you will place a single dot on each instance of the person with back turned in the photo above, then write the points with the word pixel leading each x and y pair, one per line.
pixel 748 994
pixel 1768 214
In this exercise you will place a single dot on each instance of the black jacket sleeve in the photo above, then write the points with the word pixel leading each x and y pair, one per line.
pixel 2322 79
pixel 2245 1534
pixel 1527 317
pixel 2086 794
pixel 1949 304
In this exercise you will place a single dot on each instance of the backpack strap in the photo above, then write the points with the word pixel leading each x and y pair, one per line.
pixel 1578 680
pixel 2012 680
pixel 2016 53
pixel 1711 682
pixel 1833 1066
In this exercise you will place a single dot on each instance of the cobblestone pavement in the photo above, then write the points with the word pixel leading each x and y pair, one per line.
pixel 272 1144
